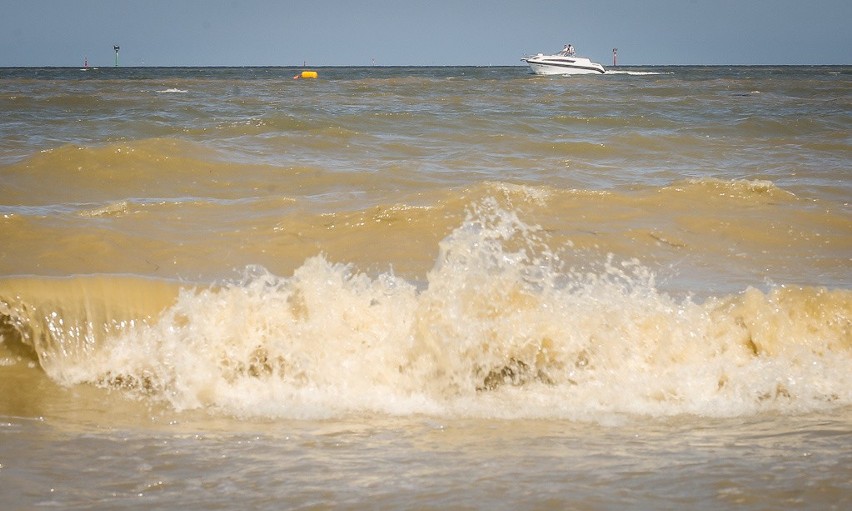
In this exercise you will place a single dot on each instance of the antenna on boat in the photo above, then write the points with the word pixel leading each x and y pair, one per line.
pixel 614 56
pixel 115 47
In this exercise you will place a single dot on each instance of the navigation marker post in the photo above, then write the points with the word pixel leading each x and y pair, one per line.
pixel 115 47
pixel 614 56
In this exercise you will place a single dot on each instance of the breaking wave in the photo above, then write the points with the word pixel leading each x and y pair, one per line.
pixel 501 327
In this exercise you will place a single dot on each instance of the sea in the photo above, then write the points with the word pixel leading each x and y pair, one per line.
pixel 426 288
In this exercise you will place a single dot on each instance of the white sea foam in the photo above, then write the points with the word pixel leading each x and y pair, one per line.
pixel 634 73
pixel 501 329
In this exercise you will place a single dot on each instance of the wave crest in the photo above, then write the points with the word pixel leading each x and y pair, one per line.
pixel 501 327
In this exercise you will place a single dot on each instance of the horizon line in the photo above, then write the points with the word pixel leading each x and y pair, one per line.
pixel 302 66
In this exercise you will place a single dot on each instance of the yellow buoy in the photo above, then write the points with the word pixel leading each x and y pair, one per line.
pixel 306 74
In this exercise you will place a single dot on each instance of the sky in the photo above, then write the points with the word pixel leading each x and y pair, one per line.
pixel 421 33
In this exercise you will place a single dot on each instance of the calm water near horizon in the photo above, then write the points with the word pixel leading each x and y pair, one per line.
pixel 426 287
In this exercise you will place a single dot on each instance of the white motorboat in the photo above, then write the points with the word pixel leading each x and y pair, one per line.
pixel 562 63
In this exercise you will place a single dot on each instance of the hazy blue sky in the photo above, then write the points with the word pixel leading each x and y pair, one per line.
pixel 415 32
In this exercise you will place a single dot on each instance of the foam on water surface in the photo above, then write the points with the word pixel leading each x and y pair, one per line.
pixel 502 327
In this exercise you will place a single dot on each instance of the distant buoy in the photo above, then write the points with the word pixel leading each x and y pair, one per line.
pixel 306 74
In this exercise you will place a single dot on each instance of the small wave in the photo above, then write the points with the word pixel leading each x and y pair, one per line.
pixel 112 209
pixel 172 91
pixel 741 188
pixel 99 173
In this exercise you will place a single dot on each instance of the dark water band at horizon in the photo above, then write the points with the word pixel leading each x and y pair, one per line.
pixel 597 291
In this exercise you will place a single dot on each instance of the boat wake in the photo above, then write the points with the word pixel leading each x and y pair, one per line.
pixel 635 73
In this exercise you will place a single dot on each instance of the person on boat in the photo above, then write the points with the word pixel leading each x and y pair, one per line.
pixel 570 50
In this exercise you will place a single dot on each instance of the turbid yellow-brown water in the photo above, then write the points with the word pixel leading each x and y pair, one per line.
pixel 426 287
